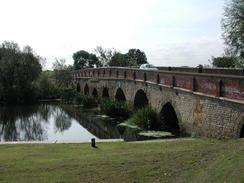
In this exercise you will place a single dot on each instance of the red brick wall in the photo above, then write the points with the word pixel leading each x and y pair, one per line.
pixel 220 85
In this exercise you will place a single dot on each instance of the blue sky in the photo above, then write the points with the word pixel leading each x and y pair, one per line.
pixel 171 32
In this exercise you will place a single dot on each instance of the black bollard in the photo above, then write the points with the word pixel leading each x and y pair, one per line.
pixel 93 142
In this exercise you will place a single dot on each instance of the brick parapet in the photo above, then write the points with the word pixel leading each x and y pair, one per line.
pixel 219 85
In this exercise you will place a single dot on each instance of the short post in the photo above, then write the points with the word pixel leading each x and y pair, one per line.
pixel 173 81
pixel 93 142
pixel 194 84
pixel 220 87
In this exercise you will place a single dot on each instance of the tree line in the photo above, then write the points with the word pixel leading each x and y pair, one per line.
pixel 108 58
pixel 22 79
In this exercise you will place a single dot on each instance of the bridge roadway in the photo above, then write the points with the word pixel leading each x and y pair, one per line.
pixel 201 101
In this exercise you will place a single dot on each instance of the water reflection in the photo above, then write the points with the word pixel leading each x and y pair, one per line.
pixel 20 123
pixel 52 122
pixel 62 121
pixel 101 127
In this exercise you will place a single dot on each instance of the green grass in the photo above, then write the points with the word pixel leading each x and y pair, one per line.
pixel 198 160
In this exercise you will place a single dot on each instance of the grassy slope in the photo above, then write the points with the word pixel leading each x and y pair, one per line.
pixel 199 160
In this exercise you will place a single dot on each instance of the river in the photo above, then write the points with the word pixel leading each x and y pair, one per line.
pixel 53 122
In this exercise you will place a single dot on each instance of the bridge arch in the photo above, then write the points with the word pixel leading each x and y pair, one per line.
pixel 140 99
pixel 86 90
pixel 120 96
pixel 78 87
pixel 169 119
pixel 95 93
pixel 105 93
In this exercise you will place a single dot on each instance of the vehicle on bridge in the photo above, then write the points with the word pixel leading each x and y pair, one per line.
pixel 148 67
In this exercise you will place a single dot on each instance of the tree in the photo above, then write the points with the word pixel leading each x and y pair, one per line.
pixel 84 59
pixel 233 26
pixel 46 87
pixel 119 60
pixel 93 61
pixel 227 62
pixel 104 55
pixel 62 74
pixel 80 59
pixel 18 71
pixel 136 57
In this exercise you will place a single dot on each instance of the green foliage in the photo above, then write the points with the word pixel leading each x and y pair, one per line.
pixel 46 88
pixel 18 71
pixel 136 57
pixel 70 96
pixel 115 108
pixel 61 74
pixel 87 101
pixel 233 26
pixel 104 55
pixel 119 60
pixel 146 118
pixel 84 59
pixel 228 62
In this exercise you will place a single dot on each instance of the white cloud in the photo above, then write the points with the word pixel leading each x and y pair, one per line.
pixel 191 53
pixel 167 30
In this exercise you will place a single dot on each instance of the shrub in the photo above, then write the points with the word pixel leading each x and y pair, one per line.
pixel 78 99
pixel 88 101
pixel 115 108
pixel 68 95
pixel 146 118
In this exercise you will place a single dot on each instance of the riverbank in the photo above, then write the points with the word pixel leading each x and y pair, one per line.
pixel 198 160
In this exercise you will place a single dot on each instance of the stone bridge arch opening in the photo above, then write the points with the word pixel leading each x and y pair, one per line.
pixel 169 120
pixel 120 96
pixel 141 99
pixel 78 87
pixel 86 90
pixel 95 93
pixel 105 93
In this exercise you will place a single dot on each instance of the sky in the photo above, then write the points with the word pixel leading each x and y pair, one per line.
pixel 170 32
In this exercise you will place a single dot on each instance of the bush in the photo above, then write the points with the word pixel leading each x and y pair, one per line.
pixel 146 118
pixel 68 95
pixel 78 99
pixel 88 101
pixel 115 108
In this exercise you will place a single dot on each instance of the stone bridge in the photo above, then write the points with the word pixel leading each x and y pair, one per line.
pixel 207 102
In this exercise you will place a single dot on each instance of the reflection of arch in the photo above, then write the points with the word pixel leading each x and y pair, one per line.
pixel 78 87
pixel 120 96
pixel 169 120
pixel 105 93
pixel 86 90
pixel 140 99
pixel 94 93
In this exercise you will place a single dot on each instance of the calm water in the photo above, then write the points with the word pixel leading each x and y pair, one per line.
pixel 53 122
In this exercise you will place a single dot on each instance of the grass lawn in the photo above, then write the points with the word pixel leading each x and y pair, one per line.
pixel 198 160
